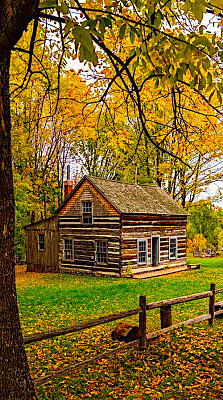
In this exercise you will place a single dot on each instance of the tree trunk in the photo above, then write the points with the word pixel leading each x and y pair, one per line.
pixel 15 381
pixel 183 193
pixel 158 178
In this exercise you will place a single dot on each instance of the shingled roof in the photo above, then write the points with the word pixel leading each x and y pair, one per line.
pixel 137 199
pixel 129 198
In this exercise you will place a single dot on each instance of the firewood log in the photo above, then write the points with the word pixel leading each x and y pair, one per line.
pixel 125 332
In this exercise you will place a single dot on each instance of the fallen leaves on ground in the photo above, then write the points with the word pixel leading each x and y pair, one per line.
pixel 186 364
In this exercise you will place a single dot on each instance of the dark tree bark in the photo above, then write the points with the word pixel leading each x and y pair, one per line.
pixel 15 381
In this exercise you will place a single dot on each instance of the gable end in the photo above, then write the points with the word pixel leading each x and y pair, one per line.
pixel 86 191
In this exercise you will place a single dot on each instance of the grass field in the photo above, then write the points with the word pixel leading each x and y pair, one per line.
pixel 184 365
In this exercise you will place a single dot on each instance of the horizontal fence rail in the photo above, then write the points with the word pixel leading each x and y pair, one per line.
pixel 37 337
pixel 218 291
pixel 218 313
pixel 156 334
pixel 183 299
pixel 166 326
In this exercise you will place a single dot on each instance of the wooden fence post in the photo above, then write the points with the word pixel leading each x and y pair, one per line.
pixel 142 323
pixel 165 316
pixel 211 304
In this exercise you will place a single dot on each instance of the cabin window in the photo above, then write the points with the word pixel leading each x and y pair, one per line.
pixel 41 241
pixel 87 212
pixel 102 252
pixel 68 249
pixel 142 251
pixel 172 248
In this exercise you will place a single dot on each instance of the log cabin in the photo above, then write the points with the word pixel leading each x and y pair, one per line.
pixel 109 227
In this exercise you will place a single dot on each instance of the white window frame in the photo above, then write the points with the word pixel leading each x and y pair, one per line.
pixel 145 240
pixel 173 258
pixel 64 254
pixel 44 241
pixel 85 214
pixel 96 252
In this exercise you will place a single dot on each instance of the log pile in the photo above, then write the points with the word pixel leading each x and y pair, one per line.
pixel 125 332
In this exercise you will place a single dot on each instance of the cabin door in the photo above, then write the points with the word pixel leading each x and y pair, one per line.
pixel 155 250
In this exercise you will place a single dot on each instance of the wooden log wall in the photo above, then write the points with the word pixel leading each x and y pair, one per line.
pixel 105 227
pixel 85 239
pixel 43 260
pixel 144 227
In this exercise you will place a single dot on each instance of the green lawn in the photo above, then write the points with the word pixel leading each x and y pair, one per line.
pixel 47 301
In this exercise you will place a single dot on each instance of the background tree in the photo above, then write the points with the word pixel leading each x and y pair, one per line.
pixel 43 130
pixel 204 226
pixel 198 141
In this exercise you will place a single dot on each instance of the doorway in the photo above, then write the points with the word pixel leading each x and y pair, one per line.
pixel 155 250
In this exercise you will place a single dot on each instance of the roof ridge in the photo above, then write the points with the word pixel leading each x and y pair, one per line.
pixel 115 181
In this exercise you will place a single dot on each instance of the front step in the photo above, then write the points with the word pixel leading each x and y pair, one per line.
pixel 143 270
pixel 163 271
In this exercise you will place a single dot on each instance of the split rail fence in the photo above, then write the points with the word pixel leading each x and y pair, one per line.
pixel 166 326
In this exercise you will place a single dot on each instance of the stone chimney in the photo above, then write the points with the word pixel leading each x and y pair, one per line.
pixel 68 184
